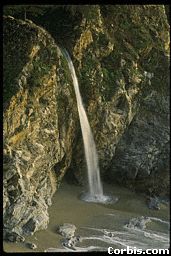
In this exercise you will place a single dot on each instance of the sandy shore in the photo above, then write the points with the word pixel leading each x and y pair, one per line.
pixel 93 220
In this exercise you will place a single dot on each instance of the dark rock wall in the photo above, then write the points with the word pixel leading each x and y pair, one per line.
pixel 123 69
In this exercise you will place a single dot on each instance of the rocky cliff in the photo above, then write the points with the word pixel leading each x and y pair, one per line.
pixel 124 78
pixel 37 138
pixel 121 56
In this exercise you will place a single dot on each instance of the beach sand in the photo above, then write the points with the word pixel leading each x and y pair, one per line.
pixel 93 220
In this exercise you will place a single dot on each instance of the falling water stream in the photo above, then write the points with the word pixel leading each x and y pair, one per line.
pixel 95 193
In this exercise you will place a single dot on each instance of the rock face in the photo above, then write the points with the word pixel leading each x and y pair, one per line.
pixel 141 155
pixel 121 58
pixel 123 69
pixel 36 137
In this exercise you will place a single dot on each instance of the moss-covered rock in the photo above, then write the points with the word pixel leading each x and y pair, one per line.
pixel 122 64
pixel 35 142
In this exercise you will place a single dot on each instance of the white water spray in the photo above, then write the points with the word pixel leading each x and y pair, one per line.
pixel 95 185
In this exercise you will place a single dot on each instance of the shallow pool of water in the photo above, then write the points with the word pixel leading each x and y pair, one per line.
pixel 99 225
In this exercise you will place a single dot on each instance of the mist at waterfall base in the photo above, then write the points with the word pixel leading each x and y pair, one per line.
pixel 95 193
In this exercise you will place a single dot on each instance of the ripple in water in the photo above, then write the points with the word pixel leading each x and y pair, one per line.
pixel 141 239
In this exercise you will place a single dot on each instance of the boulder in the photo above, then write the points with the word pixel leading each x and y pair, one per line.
pixel 67 230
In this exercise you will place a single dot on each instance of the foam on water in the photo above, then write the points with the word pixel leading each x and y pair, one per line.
pixel 132 237
pixel 104 199
pixel 77 249
pixel 99 235
pixel 159 220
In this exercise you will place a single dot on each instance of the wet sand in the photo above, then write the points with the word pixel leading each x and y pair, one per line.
pixel 93 220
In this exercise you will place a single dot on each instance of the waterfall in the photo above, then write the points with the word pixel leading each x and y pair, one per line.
pixel 95 193
pixel 95 185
